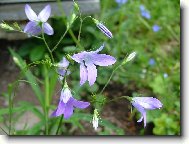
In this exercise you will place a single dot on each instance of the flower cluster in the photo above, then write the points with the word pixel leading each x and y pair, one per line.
pixel 88 60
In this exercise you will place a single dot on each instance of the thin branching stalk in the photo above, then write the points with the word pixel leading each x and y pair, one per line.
pixel 50 52
pixel 69 30
pixel 110 78
pixel 56 46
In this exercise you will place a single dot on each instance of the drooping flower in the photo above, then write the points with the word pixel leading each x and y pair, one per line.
pixel 103 28
pixel 37 24
pixel 63 68
pixel 67 108
pixel 155 28
pixel 144 12
pixel 88 60
pixel 121 1
pixel 145 103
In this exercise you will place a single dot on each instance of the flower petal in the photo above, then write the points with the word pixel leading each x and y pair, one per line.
pixel 100 48
pixel 68 110
pixel 148 102
pixel 142 111
pixel 45 13
pixel 30 13
pixel 60 109
pixel 79 57
pixel 65 95
pixel 92 73
pixel 48 29
pixel 63 63
pixel 83 74
pixel 32 28
pixel 80 104
pixel 102 59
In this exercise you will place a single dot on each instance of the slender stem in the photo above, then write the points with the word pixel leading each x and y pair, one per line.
pixel 69 30
pixel 110 78
pixel 79 35
pixel 55 47
pixel 50 52
pixel 10 108
pixel 173 33
pixel 75 39
pixel 46 99
pixel 125 97
pixel 59 124
pixel 144 22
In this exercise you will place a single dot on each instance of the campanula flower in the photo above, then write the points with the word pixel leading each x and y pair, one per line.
pixel 88 62
pixel 37 24
pixel 62 68
pixel 145 103
pixel 155 28
pixel 144 12
pixel 103 28
pixel 152 62
pixel 67 108
pixel 121 1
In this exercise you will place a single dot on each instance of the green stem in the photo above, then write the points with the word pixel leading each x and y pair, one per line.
pixel 69 30
pixel 59 124
pixel 110 78
pixel 55 47
pixel 125 97
pixel 79 35
pixel 50 52
pixel 144 22
pixel 10 107
pixel 47 95
pixel 173 33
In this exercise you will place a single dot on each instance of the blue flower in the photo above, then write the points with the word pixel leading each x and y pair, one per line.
pixel 67 108
pixel 155 28
pixel 152 62
pixel 121 1
pixel 144 12
pixel 37 24
pixel 88 62
pixel 145 103
pixel 63 68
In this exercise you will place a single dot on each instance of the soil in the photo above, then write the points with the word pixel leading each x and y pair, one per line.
pixel 117 112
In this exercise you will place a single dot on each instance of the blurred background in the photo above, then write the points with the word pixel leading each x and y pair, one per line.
pixel 150 28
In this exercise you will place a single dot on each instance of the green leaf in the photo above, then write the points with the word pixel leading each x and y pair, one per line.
pixel 37 53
